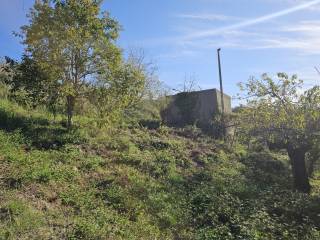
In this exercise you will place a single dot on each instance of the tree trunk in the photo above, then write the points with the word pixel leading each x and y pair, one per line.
pixel 313 158
pixel 299 171
pixel 70 107
pixel 311 166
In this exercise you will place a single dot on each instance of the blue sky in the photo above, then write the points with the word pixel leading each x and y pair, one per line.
pixel 181 37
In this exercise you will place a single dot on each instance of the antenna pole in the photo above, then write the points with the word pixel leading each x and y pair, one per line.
pixel 221 94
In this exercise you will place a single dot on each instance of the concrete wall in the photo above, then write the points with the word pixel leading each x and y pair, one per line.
pixel 195 108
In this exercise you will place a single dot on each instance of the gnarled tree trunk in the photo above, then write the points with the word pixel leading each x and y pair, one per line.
pixel 299 171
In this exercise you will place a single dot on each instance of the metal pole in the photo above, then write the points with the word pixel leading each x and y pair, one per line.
pixel 221 93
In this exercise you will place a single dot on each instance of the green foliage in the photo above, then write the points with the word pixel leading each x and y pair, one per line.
pixel 72 41
pixel 141 181
pixel 37 129
pixel 116 92
pixel 185 102
pixel 31 86
pixel 6 74
pixel 136 183
pixel 71 53
pixel 267 169
pixel 278 115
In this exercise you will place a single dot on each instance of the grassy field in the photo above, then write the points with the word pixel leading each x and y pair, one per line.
pixel 135 183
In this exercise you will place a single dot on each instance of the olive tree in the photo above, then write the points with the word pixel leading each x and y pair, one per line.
pixel 280 113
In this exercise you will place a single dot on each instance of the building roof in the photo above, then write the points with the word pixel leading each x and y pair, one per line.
pixel 203 91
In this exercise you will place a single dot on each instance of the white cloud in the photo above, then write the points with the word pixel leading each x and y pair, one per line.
pixel 313 8
pixel 251 22
pixel 300 37
pixel 307 27
pixel 303 36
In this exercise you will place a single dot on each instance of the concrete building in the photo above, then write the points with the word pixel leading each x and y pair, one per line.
pixel 198 108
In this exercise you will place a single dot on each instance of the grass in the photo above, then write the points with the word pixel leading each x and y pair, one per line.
pixel 135 183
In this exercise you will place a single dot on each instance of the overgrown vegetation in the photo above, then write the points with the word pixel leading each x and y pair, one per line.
pixel 142 184
pixel 84 155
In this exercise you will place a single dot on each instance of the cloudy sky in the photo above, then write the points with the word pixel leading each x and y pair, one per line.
pixel 181 36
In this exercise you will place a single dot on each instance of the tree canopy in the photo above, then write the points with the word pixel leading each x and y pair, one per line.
pixel 73 41
pixel 281 113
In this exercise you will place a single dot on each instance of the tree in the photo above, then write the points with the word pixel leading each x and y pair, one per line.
pixel 189 85
pixel 280 114
pixel 73 41
pixel 113 92
pixel 138 60
pixel 32 86
pixel 7 66
pixel 7 69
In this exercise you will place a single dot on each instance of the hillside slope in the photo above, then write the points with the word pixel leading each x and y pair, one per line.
pixel 135 183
